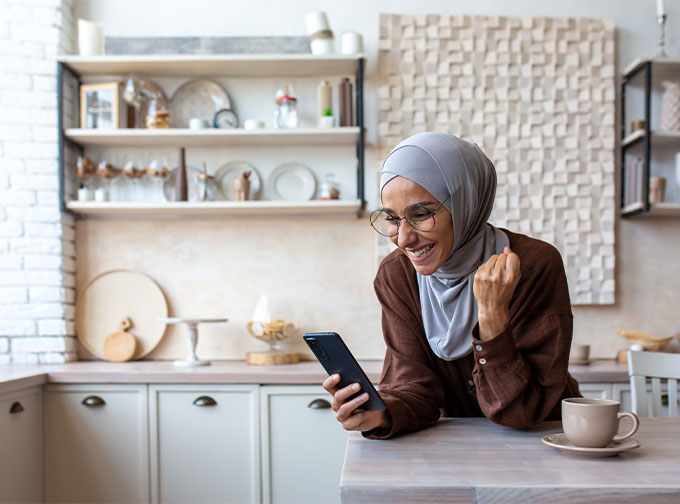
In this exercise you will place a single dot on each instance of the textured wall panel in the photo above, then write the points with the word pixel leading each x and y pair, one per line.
pixel 538 96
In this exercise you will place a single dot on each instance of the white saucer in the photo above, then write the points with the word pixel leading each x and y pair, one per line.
pixel 561 442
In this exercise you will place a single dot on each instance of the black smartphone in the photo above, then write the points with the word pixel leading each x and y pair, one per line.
pixel 335 357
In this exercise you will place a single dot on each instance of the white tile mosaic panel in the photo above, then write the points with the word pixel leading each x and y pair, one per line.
pixel 537 95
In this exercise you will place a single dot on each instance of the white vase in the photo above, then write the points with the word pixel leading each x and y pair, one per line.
pixel 670 106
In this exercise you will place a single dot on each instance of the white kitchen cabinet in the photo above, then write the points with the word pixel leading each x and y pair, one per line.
pixel 96 443
pixel 204 443
pixel 21 446
pixel 303 445
pixel 596 390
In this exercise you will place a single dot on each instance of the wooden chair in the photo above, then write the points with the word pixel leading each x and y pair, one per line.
pixel 657 366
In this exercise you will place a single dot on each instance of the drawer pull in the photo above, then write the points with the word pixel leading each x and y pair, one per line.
pixel 93 401
pixel 205 400
pixel 319 404
pixel 16 408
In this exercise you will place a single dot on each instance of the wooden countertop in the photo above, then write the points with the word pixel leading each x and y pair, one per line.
pixel 14 377
pixel 475 460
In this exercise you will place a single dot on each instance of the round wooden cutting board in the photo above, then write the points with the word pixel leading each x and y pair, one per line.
pixel 111 297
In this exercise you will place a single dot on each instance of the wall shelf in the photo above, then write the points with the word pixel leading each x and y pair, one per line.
pixel 213 137
pixel 216 208
pixel 212 65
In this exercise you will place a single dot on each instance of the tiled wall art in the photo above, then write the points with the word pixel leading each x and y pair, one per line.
pixel 537 95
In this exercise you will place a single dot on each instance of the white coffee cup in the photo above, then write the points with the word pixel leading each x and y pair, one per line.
pixel 101 194
pixel 90 38
pixel 198 123
pixel 351 43
pixel 251 124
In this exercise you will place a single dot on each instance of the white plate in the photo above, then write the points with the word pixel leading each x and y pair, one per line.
pixel 561 442
pixel 199 98
pixel 192 185
pixel 291 182
pixel 234 169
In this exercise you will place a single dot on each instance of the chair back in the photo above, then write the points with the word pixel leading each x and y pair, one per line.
pixel 656 366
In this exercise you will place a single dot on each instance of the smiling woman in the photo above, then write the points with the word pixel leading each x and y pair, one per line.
pixel 477 319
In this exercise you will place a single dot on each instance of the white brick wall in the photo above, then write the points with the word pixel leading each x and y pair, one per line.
pixel 37 263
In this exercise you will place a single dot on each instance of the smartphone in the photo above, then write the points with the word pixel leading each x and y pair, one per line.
pixel 335 357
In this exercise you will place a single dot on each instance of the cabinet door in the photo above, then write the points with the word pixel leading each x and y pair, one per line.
pixel 303 446
pixel 205 444
pixel 622 394
pixel 596 390
pixel 96 443
pixel 21 446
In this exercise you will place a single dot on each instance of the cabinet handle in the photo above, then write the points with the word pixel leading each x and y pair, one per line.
pixel 205 400
pixel 16 408
pixel 319 404
pixel 93 401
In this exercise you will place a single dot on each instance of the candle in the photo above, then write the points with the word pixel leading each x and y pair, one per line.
pixel 660 9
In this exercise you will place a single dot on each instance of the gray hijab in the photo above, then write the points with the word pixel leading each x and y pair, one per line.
pixel 447 166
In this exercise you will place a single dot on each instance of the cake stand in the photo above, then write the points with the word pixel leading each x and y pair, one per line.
pixel 192 338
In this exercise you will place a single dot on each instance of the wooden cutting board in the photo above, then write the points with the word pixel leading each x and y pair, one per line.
pixel 120 346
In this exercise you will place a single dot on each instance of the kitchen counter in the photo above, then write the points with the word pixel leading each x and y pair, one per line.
pixel 475 460
pixel 14 377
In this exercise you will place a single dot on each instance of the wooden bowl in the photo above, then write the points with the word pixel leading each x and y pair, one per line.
pixel 647 341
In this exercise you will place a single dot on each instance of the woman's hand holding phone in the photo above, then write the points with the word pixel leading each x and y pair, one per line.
pixel 346 411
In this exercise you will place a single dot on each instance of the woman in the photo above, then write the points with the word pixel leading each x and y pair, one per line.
pixel 477 319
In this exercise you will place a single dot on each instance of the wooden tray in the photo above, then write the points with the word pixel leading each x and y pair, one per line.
pixel 110 297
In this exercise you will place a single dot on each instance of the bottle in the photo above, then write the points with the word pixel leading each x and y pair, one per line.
pixel 345 102
pixel 181 192
pixel 324 100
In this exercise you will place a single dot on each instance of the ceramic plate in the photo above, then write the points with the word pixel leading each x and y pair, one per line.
pixel 199 98
pixel 234 169
pixel 561 442
pixel 192 185
pixel 110 297
pixel 291 182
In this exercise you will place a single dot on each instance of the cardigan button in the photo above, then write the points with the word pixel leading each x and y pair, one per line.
pixel 482 361
pixel 478 348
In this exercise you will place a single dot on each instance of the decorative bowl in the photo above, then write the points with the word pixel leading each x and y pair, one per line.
pixel 647 341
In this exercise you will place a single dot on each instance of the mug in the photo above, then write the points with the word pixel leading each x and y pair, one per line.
pixel 198 123
pixel 579 352
pixel 594 423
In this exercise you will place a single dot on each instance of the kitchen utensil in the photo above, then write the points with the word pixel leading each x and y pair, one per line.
pixel 232 170
pixel 648 342
pixel 199 99
pixel 111 296
pixel 192 338
pixel 192 184
pixel 291 182
pixel 563 444
pixel 120 346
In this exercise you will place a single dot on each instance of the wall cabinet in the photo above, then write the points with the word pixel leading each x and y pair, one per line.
pixel 643 79
pixel 204 443
pixel 303 446
pixel 96 443
pixel 21 446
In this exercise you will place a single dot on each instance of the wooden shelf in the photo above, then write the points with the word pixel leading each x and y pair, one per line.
pixel 670 209
pixel 659 138
pixel 216 208
pixel 213 137
pixel 662 68
pixel 633 137
pixel 211 65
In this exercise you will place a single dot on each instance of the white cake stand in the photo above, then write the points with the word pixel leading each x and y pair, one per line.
pixel 192 338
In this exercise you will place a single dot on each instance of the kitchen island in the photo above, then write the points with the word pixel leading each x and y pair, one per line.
pixel 475 460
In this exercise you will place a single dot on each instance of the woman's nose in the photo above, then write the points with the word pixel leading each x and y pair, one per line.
pixel 406 235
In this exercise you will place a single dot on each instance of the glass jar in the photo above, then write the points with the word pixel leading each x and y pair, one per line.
pixel 286 112
pixel 329 189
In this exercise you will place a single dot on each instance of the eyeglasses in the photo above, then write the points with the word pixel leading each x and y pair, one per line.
pixel 418 215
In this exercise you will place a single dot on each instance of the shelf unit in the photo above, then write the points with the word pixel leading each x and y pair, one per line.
pixel 207 66
pixel 650 70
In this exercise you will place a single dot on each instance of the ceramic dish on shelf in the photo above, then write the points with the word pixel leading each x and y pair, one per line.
pixel 192 184
pixel 113 295
pixel 291 182
pixel 233 170
pixel 197 99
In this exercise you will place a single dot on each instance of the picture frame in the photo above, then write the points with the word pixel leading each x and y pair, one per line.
pixel 101 106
